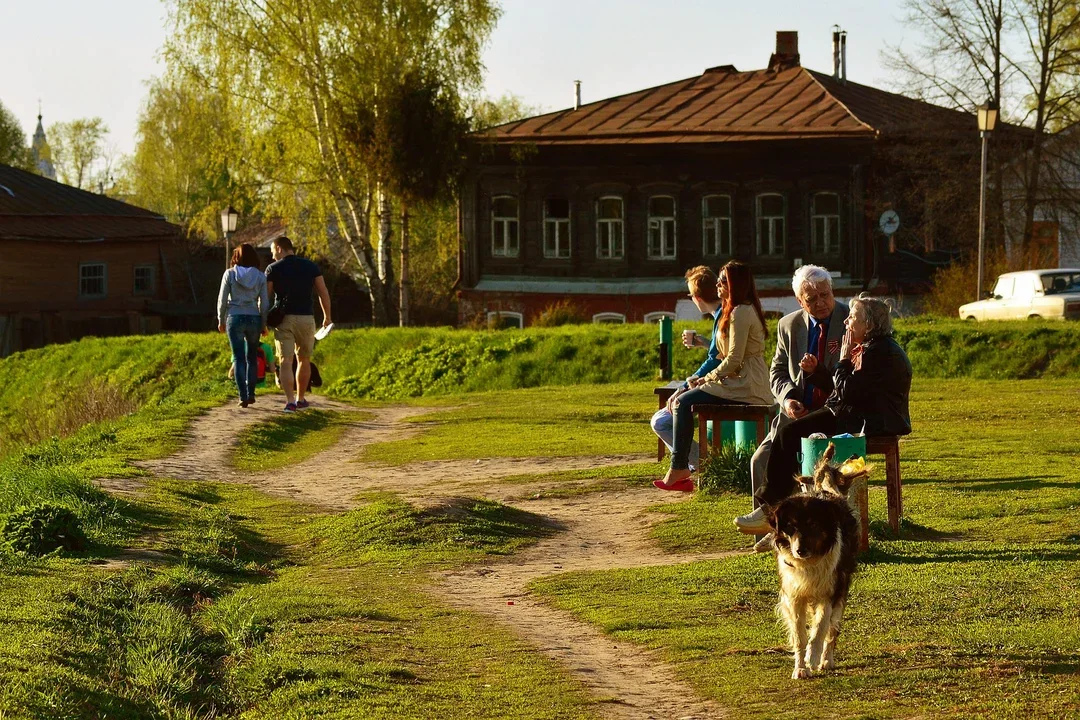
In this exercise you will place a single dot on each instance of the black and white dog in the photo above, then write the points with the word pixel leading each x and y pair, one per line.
pixel 816 539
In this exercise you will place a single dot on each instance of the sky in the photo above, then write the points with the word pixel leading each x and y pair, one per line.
pixel 93 59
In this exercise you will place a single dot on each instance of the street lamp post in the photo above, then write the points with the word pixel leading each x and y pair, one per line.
pixel 988 114
pixel 228 227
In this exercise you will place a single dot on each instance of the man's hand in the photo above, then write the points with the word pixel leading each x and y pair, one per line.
pixel 794 409
pixel 808 363
pixel 221 327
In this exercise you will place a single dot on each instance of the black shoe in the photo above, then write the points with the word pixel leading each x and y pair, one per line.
pixel 242 403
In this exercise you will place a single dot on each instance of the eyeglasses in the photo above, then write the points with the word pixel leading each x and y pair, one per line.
pixel 722 280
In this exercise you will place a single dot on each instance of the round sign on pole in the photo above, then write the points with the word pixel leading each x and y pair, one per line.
pixel 889 222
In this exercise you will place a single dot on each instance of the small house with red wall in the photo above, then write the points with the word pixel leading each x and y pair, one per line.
pixel 75 263
pixel 607 204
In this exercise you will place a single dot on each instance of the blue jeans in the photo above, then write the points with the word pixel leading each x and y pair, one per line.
pixel 243 332
pixel 663 424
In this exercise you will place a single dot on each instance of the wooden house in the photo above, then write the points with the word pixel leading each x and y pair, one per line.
pixel 74 263
pixel 607 204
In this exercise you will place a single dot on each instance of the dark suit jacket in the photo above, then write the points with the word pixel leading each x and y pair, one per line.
pixel 877 393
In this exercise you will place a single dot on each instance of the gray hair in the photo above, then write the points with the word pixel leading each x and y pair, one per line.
pixel 874 312
pixel 809 275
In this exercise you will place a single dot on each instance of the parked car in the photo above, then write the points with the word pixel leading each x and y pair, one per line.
pixel 1051 294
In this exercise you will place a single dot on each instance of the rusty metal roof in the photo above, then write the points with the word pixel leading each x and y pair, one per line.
pixel 725 105
pixel 36 208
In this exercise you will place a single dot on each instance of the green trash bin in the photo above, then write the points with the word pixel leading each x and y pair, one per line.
pixel 728 431
pixel 812 450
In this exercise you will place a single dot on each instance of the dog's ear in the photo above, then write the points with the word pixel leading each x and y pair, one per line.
pixel 830 451
pixel 771 514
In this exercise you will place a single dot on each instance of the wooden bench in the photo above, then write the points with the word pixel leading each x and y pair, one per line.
pixel 759 414
pixel 889 446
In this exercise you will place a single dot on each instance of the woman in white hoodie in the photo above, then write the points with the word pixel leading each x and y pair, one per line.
pixel 242 307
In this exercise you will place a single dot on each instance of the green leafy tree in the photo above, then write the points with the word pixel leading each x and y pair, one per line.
pixel 13 150
pixel 181 165
pixel 307 80
pixel 78 150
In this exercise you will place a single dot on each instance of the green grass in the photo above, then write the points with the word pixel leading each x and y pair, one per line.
pixel 549 422
pixel 291 439
pixel 974 613
pixel 263 607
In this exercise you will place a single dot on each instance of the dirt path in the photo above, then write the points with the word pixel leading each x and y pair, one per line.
pixel 598 531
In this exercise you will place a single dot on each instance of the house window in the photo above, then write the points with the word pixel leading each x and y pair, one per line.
pixel 716 224
pixel 661 227
pixel 504 226
pixel 609 228
pixel 609 318
pixel 92 282
pixel 654 317
pixel 144 280
pixel 771 224
pixel 500 320
pixel 825 223
pixel 556 228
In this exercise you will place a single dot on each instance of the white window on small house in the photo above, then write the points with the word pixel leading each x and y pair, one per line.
pixel 771 224
pixel 609 228
pixel 609 318
pixel 654 317
pixel 556 228
pixel 661 227
pixel 825 223
pixel 502 319
pixel 504 226
pixel 92 280
pixel 144 280
pixel 716 225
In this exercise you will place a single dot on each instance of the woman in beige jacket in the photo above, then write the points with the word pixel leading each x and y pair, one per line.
pixel 741 377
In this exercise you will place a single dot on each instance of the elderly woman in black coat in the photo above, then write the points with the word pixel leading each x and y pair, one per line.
pixel 871 383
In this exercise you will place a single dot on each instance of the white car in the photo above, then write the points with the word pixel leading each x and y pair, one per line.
pixel 1053 294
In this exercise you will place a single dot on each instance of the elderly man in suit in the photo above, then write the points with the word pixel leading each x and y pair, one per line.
pixel 807 351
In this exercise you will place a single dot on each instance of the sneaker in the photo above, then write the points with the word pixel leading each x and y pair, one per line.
pixel 301 404
pixel 290 407
pixel 242 403
pixel 753 523
pixel 765 544
pixel 251 400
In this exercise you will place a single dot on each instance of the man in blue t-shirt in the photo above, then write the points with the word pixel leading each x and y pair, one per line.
pixel 292 279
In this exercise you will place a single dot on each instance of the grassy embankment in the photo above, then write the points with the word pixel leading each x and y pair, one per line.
pixel 978 622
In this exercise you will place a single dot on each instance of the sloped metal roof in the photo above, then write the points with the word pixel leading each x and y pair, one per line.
pixel 36 208
pixel 725 105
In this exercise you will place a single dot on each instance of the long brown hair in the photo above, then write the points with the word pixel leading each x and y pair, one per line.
pixel 245 256
pixel 738 280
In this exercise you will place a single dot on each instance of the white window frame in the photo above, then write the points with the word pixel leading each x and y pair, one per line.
pixel 771 246
pixel 830 244
pixel 654 317
pixel 717 223
pixel 554 229
pixel 507 223
pixel 609 229
pixel 664 224
pixel 608 317
pixel 104 279
pixel 135 280
pixel 498 315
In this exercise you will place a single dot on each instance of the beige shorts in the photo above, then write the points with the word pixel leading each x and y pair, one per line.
pixel 296 333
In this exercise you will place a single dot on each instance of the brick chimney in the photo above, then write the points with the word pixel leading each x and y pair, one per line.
pixel 787 51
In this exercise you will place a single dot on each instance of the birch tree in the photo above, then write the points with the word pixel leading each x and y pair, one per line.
pixel 306 78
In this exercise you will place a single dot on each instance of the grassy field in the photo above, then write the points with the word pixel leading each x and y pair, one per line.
pixel 291 439
pixel 233 604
